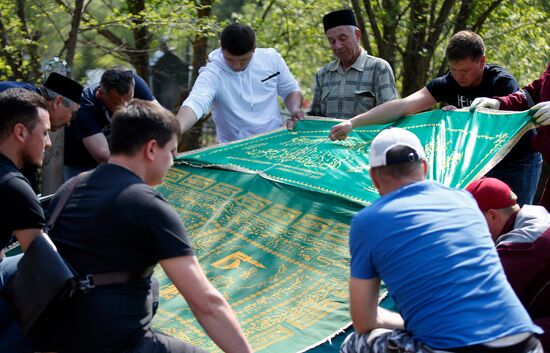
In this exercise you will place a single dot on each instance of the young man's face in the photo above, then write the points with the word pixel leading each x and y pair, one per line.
pixel 468 72
pixel 113 100
pixel 164 159
pixel 37 141
pixel 344 43
pixel 237 62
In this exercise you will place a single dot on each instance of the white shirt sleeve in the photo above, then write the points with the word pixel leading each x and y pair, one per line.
pixel 204 91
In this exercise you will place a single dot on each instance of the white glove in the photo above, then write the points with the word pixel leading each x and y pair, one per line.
pixel 485 102
pixel 542 113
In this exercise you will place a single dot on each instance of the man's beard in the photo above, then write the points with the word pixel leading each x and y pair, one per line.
pixel 28 161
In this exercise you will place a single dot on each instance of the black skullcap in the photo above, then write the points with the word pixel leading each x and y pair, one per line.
pixel 64 86
pixel 339 18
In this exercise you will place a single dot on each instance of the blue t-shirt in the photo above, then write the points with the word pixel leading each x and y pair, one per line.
pixel 24 85
pixel 92 118
pixel 431 246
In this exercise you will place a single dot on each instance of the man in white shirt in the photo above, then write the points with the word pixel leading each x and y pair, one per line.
pixel 240 84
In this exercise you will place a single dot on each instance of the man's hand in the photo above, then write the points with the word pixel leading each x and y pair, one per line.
pixel 485 102
pixel 449 107
pixel 340 131
pixel 542 113
pixel 291 123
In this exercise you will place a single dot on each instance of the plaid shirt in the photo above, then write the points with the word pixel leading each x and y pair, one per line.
pixel 367 83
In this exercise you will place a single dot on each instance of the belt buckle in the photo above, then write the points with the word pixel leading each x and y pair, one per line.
pixel 86 284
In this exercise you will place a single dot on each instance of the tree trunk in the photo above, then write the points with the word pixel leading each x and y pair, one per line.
pixel 387 47
pixel 142 37
pixel 34 72
pixel 415 61
pixel 52 168
pixel 191 139
pixel 361 24
pixel 73 33
pixel 200 42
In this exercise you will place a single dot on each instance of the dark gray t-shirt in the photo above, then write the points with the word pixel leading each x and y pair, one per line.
pixel 19 207
pixel 112 222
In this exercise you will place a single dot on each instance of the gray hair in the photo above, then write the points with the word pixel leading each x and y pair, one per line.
pixel 353 28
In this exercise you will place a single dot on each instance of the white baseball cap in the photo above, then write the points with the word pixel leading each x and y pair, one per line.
pixel 393 137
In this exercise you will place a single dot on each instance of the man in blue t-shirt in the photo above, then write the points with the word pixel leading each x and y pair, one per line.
pixel 432 248
pixel 87 139
pixel 469 78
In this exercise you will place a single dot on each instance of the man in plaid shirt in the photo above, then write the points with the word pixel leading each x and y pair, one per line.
pixel 355 82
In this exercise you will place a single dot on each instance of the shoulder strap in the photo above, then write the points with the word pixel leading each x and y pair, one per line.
pixel 63 198
pixel 7 177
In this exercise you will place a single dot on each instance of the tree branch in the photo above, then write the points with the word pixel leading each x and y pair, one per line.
pixel 437 29
pixel 373 23
pixel 481 20
pixel 73 33
pixel 267 9
pixel 361 24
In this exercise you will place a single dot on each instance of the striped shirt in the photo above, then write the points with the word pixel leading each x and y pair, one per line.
pixel 367 83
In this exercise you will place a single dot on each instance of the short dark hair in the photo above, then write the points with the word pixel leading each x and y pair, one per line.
pixel 18 105
pixel 464 45
pixel 118 78
pixel 140 122
pixel 399 170
pixel 238 39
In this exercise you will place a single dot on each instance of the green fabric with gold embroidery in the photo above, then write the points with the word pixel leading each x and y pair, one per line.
pixel 269 216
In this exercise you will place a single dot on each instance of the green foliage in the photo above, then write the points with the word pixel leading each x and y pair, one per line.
pixel 18 49
pixel 514 33
pixel 517 38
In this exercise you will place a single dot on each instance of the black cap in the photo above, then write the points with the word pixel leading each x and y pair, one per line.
pixel 344 17
pixel 64 86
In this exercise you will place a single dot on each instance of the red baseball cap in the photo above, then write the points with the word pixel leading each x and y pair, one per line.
pixel 491 193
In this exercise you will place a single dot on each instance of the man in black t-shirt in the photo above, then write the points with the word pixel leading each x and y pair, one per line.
pixel 469 78
pixel 115 222
pixel 24 128
pixel 87 139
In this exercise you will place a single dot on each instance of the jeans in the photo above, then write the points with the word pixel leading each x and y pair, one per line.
pixel 11 339
pixel 400 341
pixel 522 176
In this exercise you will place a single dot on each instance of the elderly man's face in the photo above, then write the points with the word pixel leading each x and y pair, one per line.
pixel 344 42
pixel 61 115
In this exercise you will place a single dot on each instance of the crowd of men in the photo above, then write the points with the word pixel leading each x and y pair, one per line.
pixel 469 270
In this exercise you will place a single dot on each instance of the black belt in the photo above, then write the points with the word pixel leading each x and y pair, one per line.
pixel 521 347
pixel 103 279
